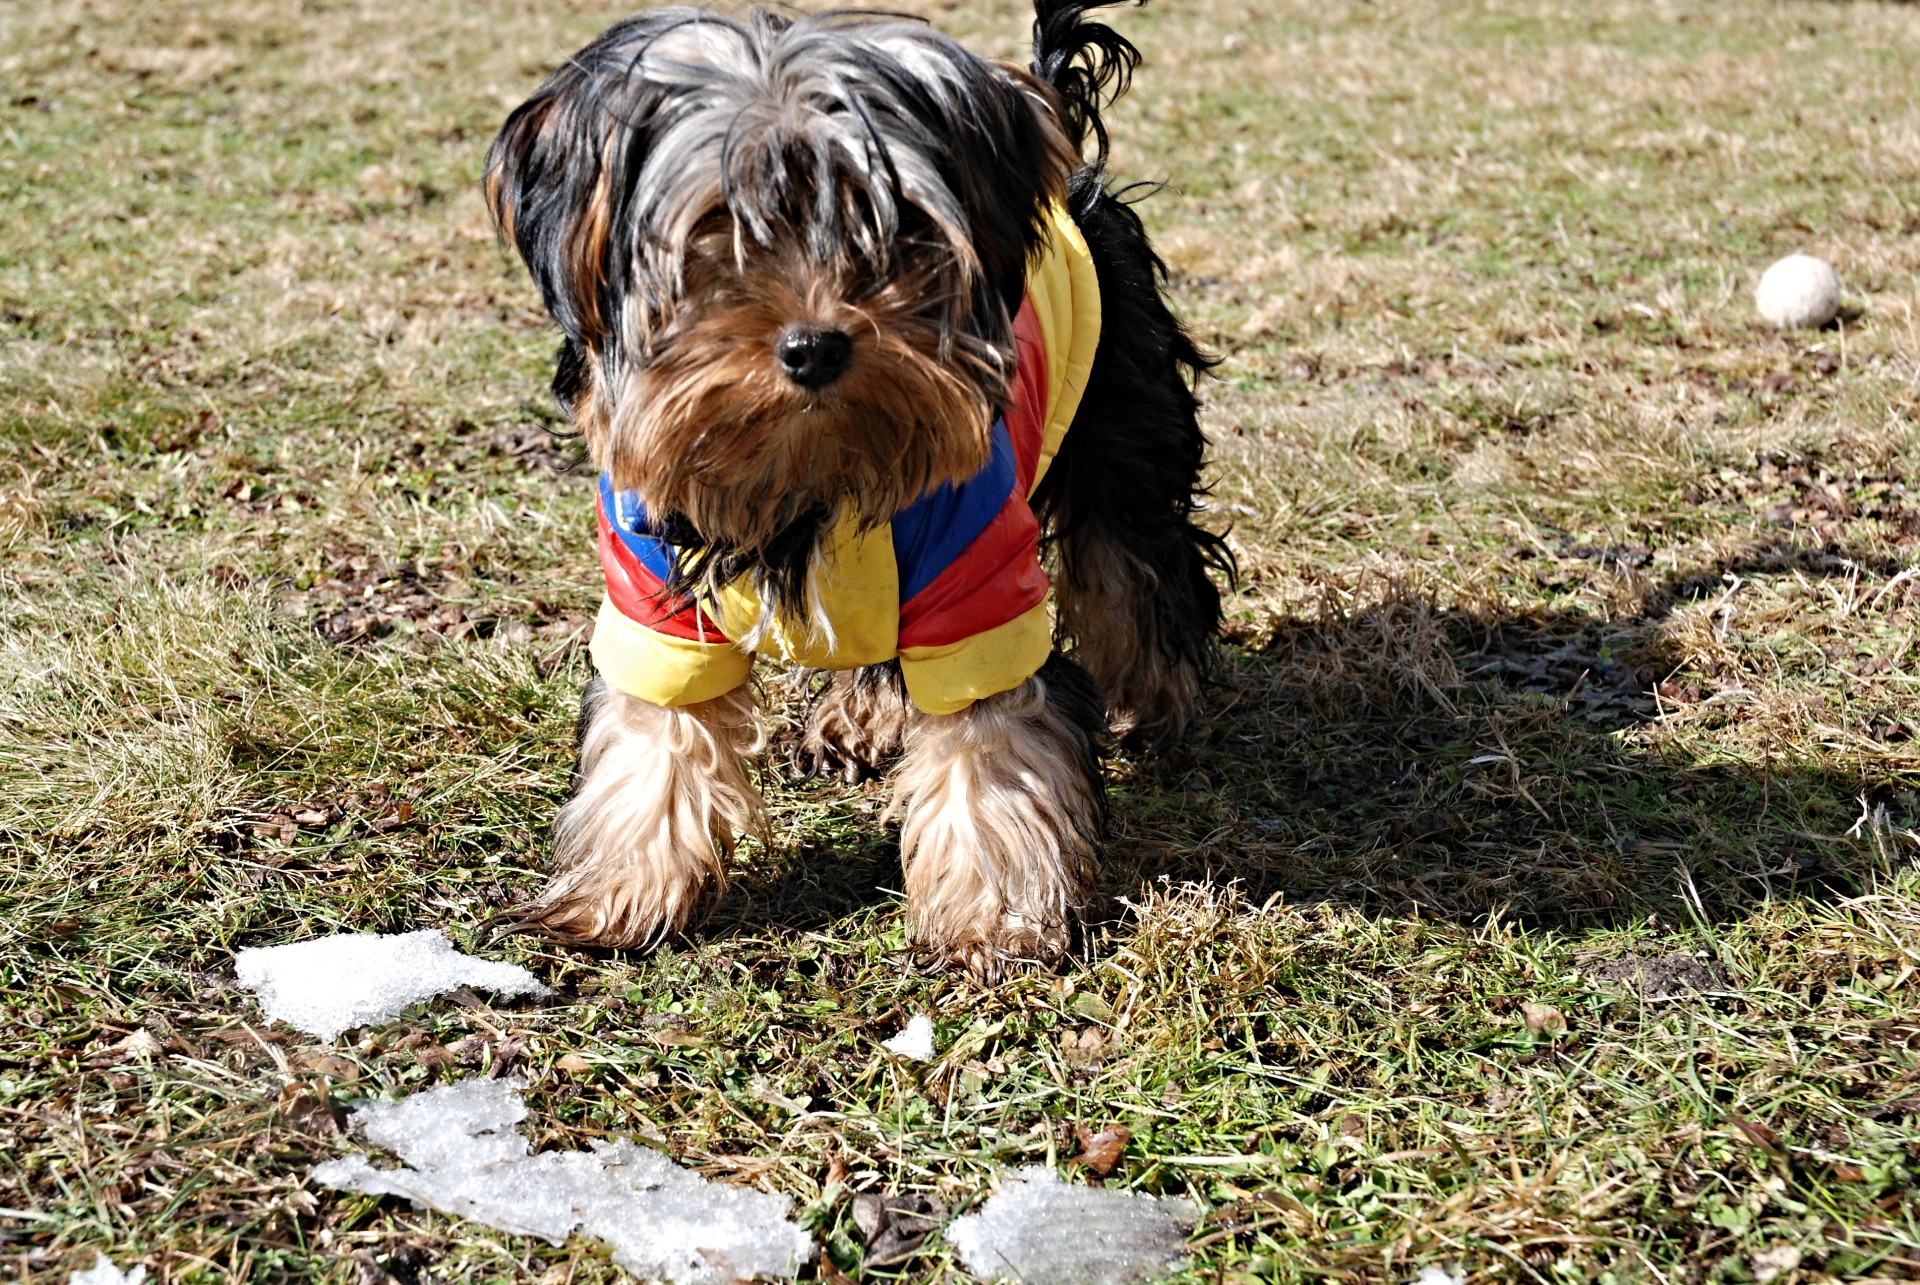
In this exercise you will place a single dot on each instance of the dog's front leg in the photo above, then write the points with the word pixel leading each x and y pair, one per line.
pixel 1004 817
pixel 639 850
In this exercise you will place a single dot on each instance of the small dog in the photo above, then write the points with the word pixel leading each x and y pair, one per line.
pixel 859 335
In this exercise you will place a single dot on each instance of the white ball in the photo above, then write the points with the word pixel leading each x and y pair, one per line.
pixel 1799 292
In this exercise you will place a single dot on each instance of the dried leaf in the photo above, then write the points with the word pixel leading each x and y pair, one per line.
pixel 392 817
pixel 436 1057
pixel 1100 1152
pixel 141 1043
pixel 1544 1019
pixel 675 1038
pixel 308 1108
pixel 1758 1134
pixel 837 1170
pixel 1091 1006
pixel 870 1213
pixel 1083 1049
pixel 321 1062
pixel 894 1226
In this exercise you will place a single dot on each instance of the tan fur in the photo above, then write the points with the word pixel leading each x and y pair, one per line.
pixel 1001 832
pixel 592 409
pixel 1100 595
pixel 855 726
pixel 638 851
pixel 589 252
pixel 709 428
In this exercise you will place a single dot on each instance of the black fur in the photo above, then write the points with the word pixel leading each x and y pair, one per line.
pixel 591 699
pixel 885 676
pixel 1127 479
pixel 1071 692
pixel 1128 474
pixel 1089 65
pixel 778 571
pixel 569 377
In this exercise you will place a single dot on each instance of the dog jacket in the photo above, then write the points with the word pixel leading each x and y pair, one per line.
pixel 952 586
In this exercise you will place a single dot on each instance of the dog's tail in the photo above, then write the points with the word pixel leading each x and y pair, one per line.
pixel 1088 63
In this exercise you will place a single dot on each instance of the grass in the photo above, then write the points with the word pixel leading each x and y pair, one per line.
pixel 1539 900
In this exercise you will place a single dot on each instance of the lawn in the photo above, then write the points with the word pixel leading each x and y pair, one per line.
pixel 1538 899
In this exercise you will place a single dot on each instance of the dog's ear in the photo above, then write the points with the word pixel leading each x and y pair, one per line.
pixel 547 183
pixel 572 377
pixel 1008 159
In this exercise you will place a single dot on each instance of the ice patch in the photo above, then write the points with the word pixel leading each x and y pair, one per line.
pixel 1040 1231
pixel 333 984
pixel 916 1042
pixel 103 1272
pixel 664 1222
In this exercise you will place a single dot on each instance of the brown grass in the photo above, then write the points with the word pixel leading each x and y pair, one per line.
pixel 1574 652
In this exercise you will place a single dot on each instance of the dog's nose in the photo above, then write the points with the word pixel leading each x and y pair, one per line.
pixel 812 357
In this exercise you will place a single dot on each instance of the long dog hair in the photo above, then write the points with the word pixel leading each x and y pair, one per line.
pixel 860 198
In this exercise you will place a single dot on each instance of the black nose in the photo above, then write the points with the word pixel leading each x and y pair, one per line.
pixel 812 357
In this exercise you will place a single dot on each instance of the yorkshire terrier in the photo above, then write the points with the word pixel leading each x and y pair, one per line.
pixel 859 337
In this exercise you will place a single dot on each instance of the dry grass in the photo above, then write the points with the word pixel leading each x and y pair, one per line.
pixel 1540 899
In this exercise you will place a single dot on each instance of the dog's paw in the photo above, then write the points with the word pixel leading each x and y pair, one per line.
pixel 623 902
pixel 1004 815
pixel 855 727
pixel 993 904
pixel 635 861
pixel 1153 709
pixel 988 953
pixel 836 749
pixel 959 908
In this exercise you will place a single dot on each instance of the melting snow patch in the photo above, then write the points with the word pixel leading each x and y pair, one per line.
pixel 1040 1231
pixel 663 1221
pixel 103 1272
pixel 333 984
pixel 1438 1276
pixel 916 1042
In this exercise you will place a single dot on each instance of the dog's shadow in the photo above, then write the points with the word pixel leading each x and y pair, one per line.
pixel 1562 770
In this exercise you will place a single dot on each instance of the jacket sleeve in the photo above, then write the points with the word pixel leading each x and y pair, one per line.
pixel 976 625
pixel 646 642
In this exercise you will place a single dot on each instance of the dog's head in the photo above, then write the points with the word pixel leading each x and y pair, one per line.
pixel 785 254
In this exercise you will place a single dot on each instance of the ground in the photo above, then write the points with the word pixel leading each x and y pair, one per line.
pixel 1538 900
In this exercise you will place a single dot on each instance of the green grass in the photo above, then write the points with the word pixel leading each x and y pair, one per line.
pixel 1574 644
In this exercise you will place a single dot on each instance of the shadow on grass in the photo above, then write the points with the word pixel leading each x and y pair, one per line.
pixel 1454 764
pixel 808 887
pixel 1461 764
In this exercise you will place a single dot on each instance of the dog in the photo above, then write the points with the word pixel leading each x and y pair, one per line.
pixel 861 338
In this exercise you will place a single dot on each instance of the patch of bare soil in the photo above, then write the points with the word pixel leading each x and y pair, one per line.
pixel 362 599
pixel 1604 690
pixel 1796 491
pixel 1673 976
pixel 539 449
